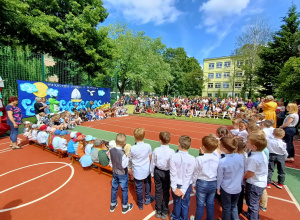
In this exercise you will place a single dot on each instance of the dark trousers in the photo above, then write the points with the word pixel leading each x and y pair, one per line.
pixel 280 161
pixel 241 200
pixel 139 189
pixel 162 190
pixel 181 206
pixel 123 181
pixel 229 205
pixel 288 139
pixel 253 195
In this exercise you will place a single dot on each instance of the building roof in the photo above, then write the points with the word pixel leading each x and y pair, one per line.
pixel 215 58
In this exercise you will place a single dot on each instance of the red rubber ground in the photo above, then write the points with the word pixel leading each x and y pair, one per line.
pixel 87 194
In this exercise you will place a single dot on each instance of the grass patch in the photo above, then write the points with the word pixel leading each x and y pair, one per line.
pixel 184 118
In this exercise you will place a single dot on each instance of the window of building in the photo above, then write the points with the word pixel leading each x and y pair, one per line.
pixel 219 65
pixel 210 85
pixel 216 95
pixel 238 85
pixel 226 75
pixel 227 64
pixel 217 85
pixel 239 63
pixel 239 74
pixel 225 85
pixel 210 75
pixel 209 94
pixel 218 75
pixel 211 65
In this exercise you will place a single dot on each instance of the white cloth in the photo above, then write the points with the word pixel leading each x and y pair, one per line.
pixel 235 131
pixel 269 132
pixel 258 164
pixel 161 158
pixel 34 134
pixel 206 168
pixel 42 137
pixel 63 144
pixel 140 160
pixel 277 146
pixel 244 135
pixel 181 170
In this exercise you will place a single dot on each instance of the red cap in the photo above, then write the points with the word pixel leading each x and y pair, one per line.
pixel 43 127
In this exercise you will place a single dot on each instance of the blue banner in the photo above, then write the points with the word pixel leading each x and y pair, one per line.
pixel 68 95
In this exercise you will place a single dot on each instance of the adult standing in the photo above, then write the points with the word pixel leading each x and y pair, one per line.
pixel 14 119
pixel 289 126
pixel 256 103
pixel 269 108
pixel 38 108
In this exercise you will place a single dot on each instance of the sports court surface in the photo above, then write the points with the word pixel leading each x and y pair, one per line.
pixel 35 184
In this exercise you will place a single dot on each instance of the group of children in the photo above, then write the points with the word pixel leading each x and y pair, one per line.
pixel 235 165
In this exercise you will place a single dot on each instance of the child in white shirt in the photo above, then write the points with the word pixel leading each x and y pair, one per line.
pixel 242 131
pixel 34 132
pixel 63 144
pixel 267 128
pixel 205 177
pixel 42 136
pixel 235 125
pixel 278 154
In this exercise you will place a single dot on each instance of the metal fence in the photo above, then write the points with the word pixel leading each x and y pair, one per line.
pixel 24 65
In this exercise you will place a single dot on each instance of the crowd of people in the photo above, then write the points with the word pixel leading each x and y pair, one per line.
pixel 205 106
pixel 233 165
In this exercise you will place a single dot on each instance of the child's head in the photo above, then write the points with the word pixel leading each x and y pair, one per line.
pixel 261 116
pixel 228 144
pixel 139 134
pixel 90 139
pixel 253 128
pixel 210 144
pixel 184 142
pixel 97 143
pixel 256 142
pixel 28 125
pixel 112 144
pixel 121 140
pixel 278 133
pixel 241 146
pixel 272 122
pixel 64 133
pixel 222 132
pixel 236 122
pixel 164 137
pixel 35 127
pixel 266 124
pixel 73 135
pixel 242 125
pixel 127 149
pixel 43 128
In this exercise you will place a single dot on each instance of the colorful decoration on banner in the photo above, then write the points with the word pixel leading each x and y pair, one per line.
pixel 67 95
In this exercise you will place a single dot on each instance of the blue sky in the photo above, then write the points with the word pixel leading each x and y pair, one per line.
pixel 204 28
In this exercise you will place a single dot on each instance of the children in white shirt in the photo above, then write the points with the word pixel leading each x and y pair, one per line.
pixel 42 136
pixel 63 144
pixel 34 132
pixel 235 125
pixel 242 131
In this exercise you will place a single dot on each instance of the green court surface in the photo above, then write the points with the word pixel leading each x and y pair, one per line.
pixel 292 175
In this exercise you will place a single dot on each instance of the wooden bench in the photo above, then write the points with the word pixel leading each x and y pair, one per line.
pixel 61 153
pixel 108 169
pixel 74 157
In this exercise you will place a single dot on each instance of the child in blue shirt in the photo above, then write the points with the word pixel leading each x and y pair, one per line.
pixel 71 149
pixel 230 176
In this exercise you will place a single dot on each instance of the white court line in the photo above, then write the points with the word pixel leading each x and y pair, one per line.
pixel 292 197
pixel 6 150
pixel 273 197
pixel 153 213
pixel 29 203
pixel 292 168
pixel 32 179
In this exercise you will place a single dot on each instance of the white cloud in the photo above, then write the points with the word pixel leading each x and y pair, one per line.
pixel 145 11
pixel 214 11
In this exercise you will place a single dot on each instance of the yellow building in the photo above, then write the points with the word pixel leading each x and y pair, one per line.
pixel 222 75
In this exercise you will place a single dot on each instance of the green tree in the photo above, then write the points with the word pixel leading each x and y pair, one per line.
pixel 138 60
pixel 278 52
pixel 193 78
pixel 64 29
pixel 289 79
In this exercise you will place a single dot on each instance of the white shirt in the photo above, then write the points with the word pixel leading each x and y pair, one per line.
pixel 268 132
pixel 161 158
pixel 206 168
pixel 34 134
pixel 235 131
pixel 230 173
pixel 140 160
pixel 258 164
pixel 181 170
pixel 244 135
pixel 63 144
pixel 277 146
pixel 42 137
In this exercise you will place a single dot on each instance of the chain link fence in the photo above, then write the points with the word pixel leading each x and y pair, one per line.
pixel 24 65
